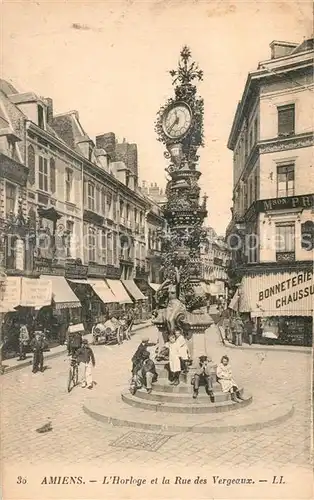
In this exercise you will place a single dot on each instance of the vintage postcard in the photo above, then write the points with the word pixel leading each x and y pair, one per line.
pixel 156 249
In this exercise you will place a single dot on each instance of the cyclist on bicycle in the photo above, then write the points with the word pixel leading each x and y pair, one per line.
pixel 74 342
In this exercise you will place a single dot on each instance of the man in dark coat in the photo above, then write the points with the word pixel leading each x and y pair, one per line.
pixel 38 345
pixel 138 358
pixel 147 374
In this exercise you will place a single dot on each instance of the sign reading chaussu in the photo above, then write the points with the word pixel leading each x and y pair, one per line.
pixel 278 294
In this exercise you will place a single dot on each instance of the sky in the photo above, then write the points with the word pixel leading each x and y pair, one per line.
pixel 110 61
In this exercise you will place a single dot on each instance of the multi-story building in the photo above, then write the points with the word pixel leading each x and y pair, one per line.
pixel 215 257
pixel 271 231
pixel 75 206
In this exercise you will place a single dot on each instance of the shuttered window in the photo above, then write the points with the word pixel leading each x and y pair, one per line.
pixel 43 174
pixel 52 175
pixel 31 164
pixel 286 120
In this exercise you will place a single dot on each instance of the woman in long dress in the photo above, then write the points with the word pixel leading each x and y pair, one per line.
pixel 226 380
pixel 174 365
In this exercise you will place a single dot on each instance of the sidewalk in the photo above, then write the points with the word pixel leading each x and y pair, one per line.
pixel 9 365
pixel 265 347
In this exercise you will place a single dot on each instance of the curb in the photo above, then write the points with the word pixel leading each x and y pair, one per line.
pixel 25 364
pixel 198 429
pixel 304 350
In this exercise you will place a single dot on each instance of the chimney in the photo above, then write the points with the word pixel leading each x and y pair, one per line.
pixel 281 49
pixel 49 103
pixel 108 143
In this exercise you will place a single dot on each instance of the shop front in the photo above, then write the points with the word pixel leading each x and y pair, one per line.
pixel 65 308
pixel 22 300
pixel 140 300
pixel 281 304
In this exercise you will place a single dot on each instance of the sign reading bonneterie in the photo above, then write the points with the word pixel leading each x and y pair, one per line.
pixel 278 294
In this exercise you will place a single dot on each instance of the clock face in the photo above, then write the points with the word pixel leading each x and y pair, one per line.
pixel 177 120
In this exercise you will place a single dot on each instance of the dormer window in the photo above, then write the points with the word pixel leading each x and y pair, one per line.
pixel 41 116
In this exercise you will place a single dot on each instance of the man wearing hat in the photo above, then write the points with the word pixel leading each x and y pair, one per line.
pixel 138 357
pixel 203 377
pixel 147 374
pixel 86 356
pixel 38 345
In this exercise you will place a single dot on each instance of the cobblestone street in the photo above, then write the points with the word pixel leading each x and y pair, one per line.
pixel 29 401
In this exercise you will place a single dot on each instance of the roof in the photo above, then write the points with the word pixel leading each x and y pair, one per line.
pixel 7 87
pixel 68 127
pixel 268 68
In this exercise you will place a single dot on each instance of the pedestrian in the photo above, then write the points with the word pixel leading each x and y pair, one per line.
pixel 238 326
pixel 138 357
pixel 147 374
pixel 203 376
pixel 38 345
pixel 85 356
pixel 174 365
pixel 74 340
pixel 183 351
pixel 249 328
pixel 226 380
pixel 23 341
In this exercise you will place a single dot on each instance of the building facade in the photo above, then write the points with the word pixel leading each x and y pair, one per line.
pixel 271 231
pixel 70 210
pixel 215 258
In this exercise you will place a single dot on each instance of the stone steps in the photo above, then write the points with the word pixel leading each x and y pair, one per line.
pixel 182 397
pixel 114 412
pixel 189 406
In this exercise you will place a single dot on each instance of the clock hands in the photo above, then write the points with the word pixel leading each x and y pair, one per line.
pixel 175 122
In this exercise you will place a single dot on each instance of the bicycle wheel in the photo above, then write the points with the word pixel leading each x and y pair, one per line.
pixel 75 375
pixel 70 379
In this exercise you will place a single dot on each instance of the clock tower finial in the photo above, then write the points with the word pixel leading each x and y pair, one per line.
pixel 186 73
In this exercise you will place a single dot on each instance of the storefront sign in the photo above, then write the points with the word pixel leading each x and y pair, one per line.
pixel 75 271
pixel 36 293
pixel 306 201
pixel 10 297
pixel 284 294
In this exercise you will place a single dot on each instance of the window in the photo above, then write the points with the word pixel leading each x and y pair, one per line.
pixel 109 248
pixel 115 246
pixel 90 196
pixel 103 201
pixel 91 245
pixel 256 187
pixel 285 238
pixel 43 174
pixel 286 120
pixel 31 164
pixel 52 175
pixel 68 184
pixel 41 119
pixel 251 139
pixel 109 203
pixel 285 180
pixel 103 247
pixel 121 210
pixel 10 198
pixel 69 238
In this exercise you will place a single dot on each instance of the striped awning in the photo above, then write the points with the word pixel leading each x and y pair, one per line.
pixel 119 291
pixel 63 296
pixel 133 290
pixel 103 291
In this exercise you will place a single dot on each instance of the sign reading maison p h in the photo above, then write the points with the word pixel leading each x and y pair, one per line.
pixel 304 201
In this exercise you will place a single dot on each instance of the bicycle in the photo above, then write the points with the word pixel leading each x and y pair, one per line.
pixel 73 374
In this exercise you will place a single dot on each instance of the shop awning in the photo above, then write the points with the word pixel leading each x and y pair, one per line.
pixel 133 290
pixel 79 281
pixel 234 302
pixel 119 291
pixel 25 292
pixel 155 286
pixel 103 291
pixel 62 294
pixel 278 294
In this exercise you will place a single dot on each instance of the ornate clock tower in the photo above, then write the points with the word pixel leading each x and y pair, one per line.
pixel 179 126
